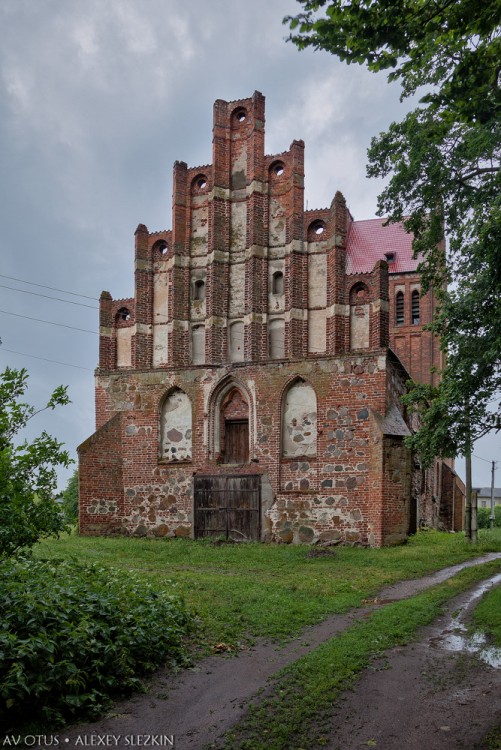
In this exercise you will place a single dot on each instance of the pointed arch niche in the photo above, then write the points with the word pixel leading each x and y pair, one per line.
pixel 359 317
pixel 176 427
pixel 230 423
pixel 124 330
pixel 299 420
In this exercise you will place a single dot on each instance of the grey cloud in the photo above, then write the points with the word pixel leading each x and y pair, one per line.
pixel 97 100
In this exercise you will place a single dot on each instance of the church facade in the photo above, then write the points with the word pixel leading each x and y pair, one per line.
pixel 251 388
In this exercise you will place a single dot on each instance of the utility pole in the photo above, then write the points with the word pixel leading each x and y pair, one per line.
pixel 474 523
pixel 492 516
pixel 467 509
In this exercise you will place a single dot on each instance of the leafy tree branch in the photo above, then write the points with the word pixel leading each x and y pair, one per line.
pixel 443 160
pixel 27 469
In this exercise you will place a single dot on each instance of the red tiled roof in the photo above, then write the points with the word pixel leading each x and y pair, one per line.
pixel 369 240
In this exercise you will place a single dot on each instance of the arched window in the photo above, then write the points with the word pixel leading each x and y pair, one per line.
pixel 399 309
pixel 199 290
pixel 415 317
pixel 238 117
pixel 230 422
pixel 277 285
pixel 199 185
pixel 316 230
pixel 175 427
pixel 299 421
pixel 236 342
pixel 160 247
pixel 123 316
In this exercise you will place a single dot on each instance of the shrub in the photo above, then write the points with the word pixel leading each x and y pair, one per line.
pixel 69 499
pixel 27 469
pixel 484 514
pixel 74 636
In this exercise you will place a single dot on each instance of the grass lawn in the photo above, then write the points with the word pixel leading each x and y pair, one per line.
pixel 245 591
pixel 487 615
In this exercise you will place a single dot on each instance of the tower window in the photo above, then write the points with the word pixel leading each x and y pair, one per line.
pixel 199 290
pixel 277 286
pixel 315 229
pixel 123 315
pixel 415 308
pixel 399 309
pixel 199 185
pixel 161 247
pixel 277 169
pixel 240 116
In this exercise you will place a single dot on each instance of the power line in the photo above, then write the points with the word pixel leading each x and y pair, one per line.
pixel 44 359
pixel 479 458
pixel 49 322
pixel 43 286
pixel 46 296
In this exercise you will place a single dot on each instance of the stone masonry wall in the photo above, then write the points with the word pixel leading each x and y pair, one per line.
pixel 327 496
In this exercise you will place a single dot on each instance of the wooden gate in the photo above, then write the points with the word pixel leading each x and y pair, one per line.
pixel 228 506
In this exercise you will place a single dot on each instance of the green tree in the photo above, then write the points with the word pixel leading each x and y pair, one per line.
pixel 27 469
pixel 443 159
pixel 69 499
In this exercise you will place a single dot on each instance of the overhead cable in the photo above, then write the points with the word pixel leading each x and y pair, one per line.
pixel 44 286
pixel 44 359
pixel 46 296
pixel 49 322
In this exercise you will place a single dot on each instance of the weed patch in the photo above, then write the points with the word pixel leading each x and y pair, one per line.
pixel 74 636
pixel 493 739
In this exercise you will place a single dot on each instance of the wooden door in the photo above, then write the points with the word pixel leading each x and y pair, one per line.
pixel 236 441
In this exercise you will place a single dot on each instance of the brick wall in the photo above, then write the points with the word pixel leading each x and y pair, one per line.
pixel 250 291
pixel 419 350
pixel 101 499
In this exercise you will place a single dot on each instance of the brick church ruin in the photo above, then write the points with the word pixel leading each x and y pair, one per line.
pixel 252 387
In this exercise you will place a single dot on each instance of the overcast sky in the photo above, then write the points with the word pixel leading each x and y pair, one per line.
pixel 98 98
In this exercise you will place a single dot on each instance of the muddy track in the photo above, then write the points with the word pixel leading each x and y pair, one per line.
pixel 432 693
pixel 196 706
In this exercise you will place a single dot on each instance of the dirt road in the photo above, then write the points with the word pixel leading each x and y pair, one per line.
pixel 424 696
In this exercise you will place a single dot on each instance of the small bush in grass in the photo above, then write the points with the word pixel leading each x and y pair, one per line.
pixel 73 636
pixel 484 515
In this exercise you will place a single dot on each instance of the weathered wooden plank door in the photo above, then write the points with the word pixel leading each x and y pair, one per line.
pixel 236 441
pixel 228 506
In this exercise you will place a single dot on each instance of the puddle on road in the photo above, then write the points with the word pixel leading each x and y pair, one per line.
pixel 455 636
